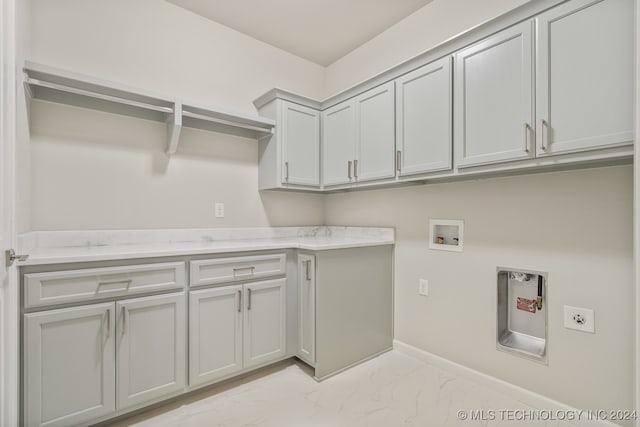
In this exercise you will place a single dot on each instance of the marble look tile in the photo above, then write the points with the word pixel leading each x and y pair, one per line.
pixel 390 390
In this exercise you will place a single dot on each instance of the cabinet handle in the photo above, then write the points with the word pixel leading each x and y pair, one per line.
pixel 249 299
pixel 543 124
pixel 355 169
pixel 286 171
pixel 239 301
pixel 124 319
pixel 108 323
pixel 525 139
pixel 307 272
pixel 349 168
pixel 115 282
pixel 398 160
pixel 252 268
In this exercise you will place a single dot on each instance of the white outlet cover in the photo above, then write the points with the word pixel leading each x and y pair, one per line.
pixel 580 319
pixel 423 287
pixel 219 210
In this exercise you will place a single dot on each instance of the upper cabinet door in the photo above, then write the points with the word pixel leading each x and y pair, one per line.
pixel 494 98
pixel 339 142
pixel 150 348
pixel 376 135
pixel 585 76
pixel 69 365
pixel 301 144
pixel 424 119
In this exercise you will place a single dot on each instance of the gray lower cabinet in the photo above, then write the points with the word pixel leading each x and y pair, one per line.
pixel 345 307
pixel 584 76
pixel 150 348
pixel 265 327
pixel 69 365
pixel 235 327
pixel 215 334
pixel 74 357
pixel 307 308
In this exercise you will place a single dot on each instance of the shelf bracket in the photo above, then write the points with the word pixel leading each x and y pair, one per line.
pixel 174 126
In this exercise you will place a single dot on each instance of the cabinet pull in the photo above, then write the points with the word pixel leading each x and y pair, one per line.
pixel 543 124
pixel 398 159
pixel 249 299
pixel 252 268
pixel 307 264
pixel 239 301
pixel 108 323
pixel 526 141
pixel 286 171
pixel 115 282
pixel 355 169
pixel 124 319
pixel 349 168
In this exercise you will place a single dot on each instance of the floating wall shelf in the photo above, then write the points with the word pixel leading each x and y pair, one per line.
pixel 64 87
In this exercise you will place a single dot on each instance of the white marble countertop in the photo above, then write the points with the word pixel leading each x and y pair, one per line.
pixel 82 246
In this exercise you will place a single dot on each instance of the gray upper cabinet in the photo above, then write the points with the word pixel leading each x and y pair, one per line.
pixel 375 140
pixel 358 138
pixel 493 102
pixel 584 87
pixel 290 158
pixel 300 144
pixel 339 143
pixel 424 119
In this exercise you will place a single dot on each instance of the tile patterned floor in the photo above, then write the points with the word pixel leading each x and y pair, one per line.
pixel 390 390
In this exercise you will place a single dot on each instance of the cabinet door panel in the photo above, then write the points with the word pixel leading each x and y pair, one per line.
pixel 264 322
pixel 376 134
pixel 424 119
pixel 585 76
pixel 338 140
pixel 494 98
pixel 69 365
pixel 151 348
pixel 215 333
pixel 301 144
pixel 307 308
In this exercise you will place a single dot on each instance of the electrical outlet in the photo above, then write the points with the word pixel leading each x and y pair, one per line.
pixel 580 319
pixel 423 287
pixel 219 210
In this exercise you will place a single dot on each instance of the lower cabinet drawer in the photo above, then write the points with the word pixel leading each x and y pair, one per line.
pixel 225 270
pixel 60 287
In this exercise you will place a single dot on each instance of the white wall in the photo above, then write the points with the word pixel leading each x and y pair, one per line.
pixel 575 225
pixel 420 31
pixel 91 170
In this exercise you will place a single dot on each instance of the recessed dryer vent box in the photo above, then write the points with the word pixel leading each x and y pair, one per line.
pixel 446 234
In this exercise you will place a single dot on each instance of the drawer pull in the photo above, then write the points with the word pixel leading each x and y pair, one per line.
pixel 249 299
pixel 115 282
pixel 239 301
pixel 244 268
pixel 307 273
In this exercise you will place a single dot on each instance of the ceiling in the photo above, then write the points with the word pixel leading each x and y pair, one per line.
pixel 321 31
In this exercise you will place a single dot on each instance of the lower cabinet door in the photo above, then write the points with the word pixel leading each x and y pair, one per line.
pixel 307 308
pixel 264 322
pixel 215 333
pixel 69 365
pixel 150 348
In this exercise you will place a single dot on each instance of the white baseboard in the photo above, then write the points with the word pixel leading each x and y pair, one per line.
pixel 525 396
